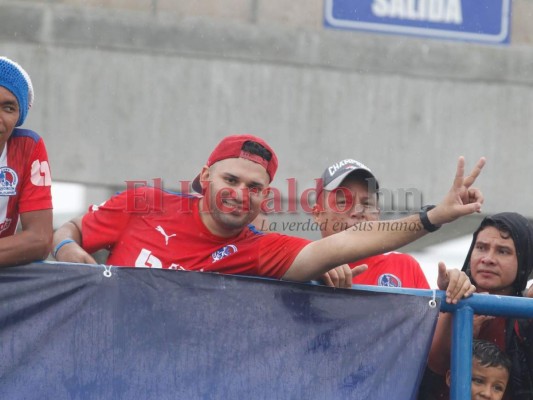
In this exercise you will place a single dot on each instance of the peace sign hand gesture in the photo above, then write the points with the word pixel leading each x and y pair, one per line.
pixel 462 199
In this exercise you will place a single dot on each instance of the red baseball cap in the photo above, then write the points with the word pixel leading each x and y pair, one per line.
pixel 232 147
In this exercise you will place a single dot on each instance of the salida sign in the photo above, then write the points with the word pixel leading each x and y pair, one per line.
pixel 472 20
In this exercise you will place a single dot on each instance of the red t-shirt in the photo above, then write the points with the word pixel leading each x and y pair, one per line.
pixel 147 227
pixel 494 331
pixel 392 270
pixel 25 181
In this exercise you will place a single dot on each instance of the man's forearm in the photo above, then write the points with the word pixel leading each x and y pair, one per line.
pixel 68 240
pixel 24 248
pixel 363 240
pixel 69 230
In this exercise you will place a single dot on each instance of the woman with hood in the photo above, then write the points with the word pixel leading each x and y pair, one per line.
pixel 499 262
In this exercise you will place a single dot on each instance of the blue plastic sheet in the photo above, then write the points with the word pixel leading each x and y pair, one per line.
pixel 69 332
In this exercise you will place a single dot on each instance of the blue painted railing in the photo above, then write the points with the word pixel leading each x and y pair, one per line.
pixel 463 311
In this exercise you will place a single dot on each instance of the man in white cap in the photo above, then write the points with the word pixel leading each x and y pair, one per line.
pixel 347 194
pixel 25 182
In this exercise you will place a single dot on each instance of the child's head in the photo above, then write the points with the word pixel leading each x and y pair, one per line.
pixel 490 371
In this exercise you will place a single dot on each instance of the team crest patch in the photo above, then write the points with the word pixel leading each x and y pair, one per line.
pixel 5 225
pixel 389 280
pixel 224 252
pixel 8 182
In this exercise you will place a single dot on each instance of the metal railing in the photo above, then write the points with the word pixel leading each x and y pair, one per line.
pixel 463 312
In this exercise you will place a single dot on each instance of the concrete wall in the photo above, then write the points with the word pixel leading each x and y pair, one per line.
pixel 143 89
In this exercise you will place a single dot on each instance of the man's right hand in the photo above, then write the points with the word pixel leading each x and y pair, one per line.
pixel 72 252
pixel 341 277
pixel 455 282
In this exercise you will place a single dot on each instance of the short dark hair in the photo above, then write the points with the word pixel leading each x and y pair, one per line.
pixel 505 232
pixel 257 149
pixel 490 355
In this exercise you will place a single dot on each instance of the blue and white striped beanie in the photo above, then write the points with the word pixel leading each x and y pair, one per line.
pixel 17 81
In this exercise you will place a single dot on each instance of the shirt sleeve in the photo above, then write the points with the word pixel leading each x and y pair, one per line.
pixel 277 253
pixel 36 193
pixel 419 278
pixel 103 224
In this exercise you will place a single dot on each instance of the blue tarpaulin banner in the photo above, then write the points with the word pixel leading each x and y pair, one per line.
pixel 68 331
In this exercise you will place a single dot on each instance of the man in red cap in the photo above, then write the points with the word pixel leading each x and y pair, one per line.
pixel 212 232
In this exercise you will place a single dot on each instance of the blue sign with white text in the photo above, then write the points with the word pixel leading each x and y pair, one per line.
pixel 472 20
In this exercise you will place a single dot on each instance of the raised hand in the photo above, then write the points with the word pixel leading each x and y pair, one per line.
pixel 455 282
pixel 462 199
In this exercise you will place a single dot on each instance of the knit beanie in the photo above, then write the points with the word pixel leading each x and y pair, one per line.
pixel 17 81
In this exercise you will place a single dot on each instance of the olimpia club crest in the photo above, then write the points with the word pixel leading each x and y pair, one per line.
pixel 224 252
pixel 8 182
pixel 5 225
